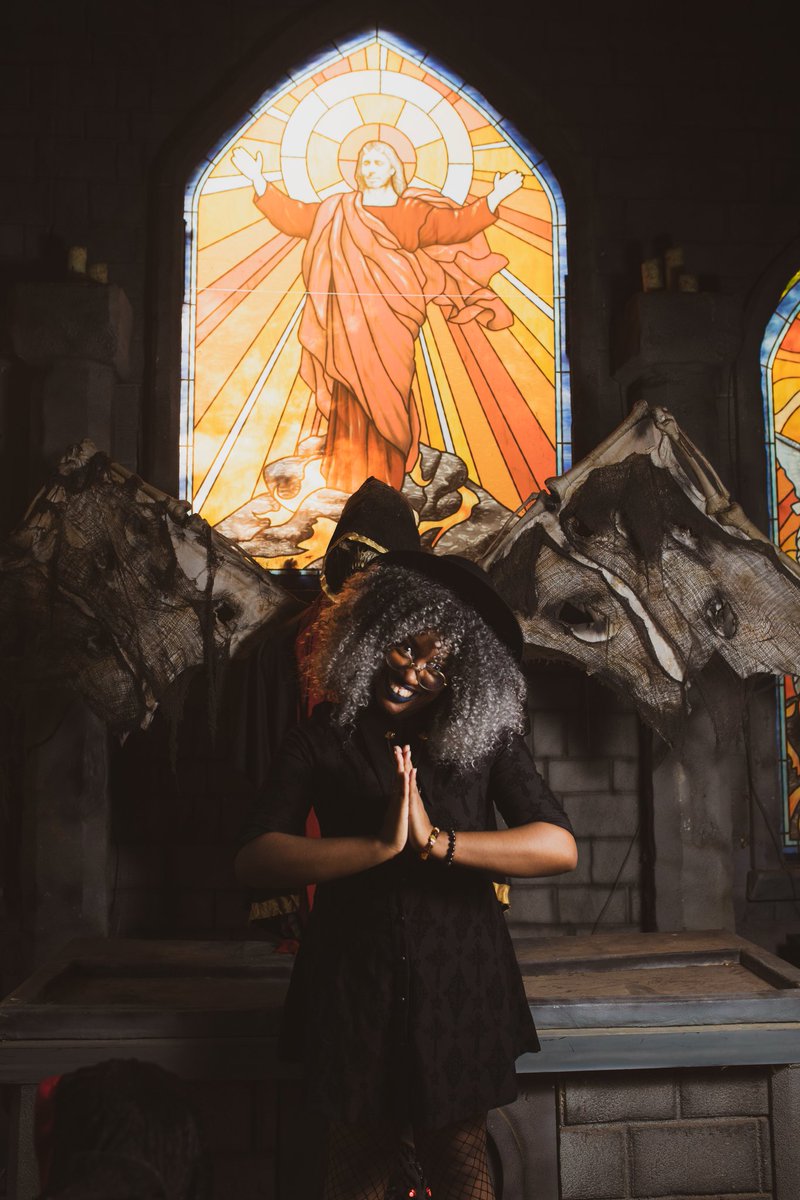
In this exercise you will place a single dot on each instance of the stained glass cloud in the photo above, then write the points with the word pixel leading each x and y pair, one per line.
pixel 462 395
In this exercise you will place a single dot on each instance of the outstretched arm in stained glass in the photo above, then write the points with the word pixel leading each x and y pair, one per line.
pixel 503 187
pixel 448 226
pixel 292 217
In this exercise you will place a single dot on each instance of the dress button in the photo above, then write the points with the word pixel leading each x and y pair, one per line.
pixel 402 958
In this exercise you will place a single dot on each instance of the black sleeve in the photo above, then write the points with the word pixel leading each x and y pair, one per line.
pixel 518 791
pixel 287 793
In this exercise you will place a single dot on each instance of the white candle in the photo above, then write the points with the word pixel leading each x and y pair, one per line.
pixel 76 260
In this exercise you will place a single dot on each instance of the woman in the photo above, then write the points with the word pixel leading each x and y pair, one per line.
pixel 373 260
pixel 406 1002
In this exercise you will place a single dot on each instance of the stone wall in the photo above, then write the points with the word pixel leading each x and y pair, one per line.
pixel 658 130
pixel 175 822
pixel 666 1134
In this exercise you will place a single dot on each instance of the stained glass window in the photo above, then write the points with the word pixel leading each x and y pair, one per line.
pixel 331 332
pixel 780 374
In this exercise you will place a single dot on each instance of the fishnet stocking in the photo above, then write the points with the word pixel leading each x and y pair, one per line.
pixel 455 1160
pixel 364 1159
pixel 360 1161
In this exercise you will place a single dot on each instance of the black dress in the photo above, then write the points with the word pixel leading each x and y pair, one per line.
pixel 406 1001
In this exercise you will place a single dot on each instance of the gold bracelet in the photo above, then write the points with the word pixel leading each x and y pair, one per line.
pixel 434 833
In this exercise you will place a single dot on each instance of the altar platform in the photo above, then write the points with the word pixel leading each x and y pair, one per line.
pixel 678 1047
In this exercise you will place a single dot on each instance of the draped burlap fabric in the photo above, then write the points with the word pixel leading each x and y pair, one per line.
pixel 111 588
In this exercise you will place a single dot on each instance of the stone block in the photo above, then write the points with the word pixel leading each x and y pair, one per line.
pixel 728 1093
pixel 552 687
pixel 72 319
pixel 578 774
pixel 65 864
pixel 138 866
pixel 548 734
pixel 230 912
pixel 17 158
pixel 711 1159
pixel 108 197
pixel 637 1096
pixel 625 775
pixel 24 203
pixel 603 815
pixel 582 905
pixel 583 871
pixel 265 1134
pixel 225 1112
pixel 694 220
pixel 104 123
pixel 194 911
pixel 12 241
pixel 77 402
pixel 749 221
pixel 785 1097
pixel 607 733
pixel 251 1175
pixel 79 158
pixel 203 866
pixel 608 856
pixel 533 903
pixel 134 912
pixel 125 425
pixel 663 328
pixel 593 1164
pixel 15 84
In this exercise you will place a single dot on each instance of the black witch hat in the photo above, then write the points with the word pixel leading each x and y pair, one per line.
pixel 470 584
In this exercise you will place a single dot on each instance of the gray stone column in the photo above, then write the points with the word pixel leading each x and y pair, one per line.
pixel 678 350
pixel 78 333
pixel 785 1113
pixel 696 787
pixel 66 873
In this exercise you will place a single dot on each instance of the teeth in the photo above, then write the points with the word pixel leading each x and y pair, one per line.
pixel 401 691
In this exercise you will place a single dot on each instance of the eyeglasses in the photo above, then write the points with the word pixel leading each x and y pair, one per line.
pixel 399 659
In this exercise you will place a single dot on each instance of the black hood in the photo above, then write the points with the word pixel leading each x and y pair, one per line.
pixel 375 519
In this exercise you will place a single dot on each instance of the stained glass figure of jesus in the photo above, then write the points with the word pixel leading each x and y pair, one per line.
pixel 374 259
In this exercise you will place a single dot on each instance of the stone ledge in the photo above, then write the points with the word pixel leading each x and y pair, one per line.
pixel 664 329
pixel 71 319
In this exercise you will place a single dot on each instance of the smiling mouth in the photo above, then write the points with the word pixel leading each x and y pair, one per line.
pixel 398 693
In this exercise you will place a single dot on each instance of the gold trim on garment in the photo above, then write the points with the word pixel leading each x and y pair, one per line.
pixel 348 537
pixel 281 906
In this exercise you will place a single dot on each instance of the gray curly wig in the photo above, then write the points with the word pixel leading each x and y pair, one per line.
pixel 484 702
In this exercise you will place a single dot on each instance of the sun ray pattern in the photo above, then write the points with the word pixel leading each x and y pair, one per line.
pixel 498 399
pixel 780 375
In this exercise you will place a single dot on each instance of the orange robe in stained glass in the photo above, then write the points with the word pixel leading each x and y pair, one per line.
pixel 370 273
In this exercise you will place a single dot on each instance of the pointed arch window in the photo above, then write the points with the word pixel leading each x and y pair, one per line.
pixel 322 342
pixel 780 376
